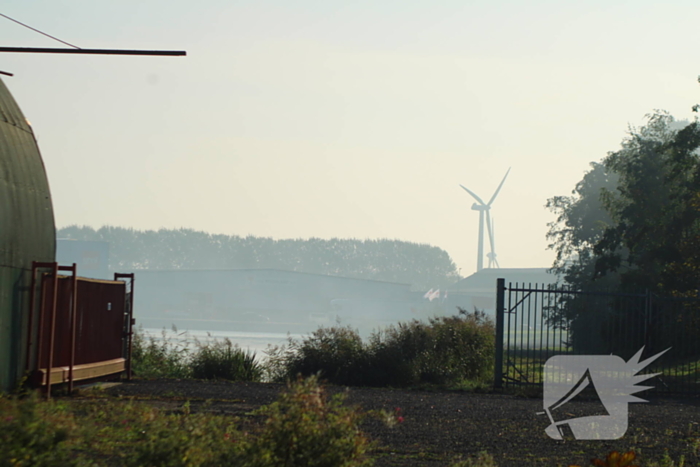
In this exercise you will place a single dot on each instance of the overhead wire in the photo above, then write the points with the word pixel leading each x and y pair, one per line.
pixel 40 32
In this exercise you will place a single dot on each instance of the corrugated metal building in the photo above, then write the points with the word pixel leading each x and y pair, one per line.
pixel 27 231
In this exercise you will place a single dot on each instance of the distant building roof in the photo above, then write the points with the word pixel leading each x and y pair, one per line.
pixel 485 280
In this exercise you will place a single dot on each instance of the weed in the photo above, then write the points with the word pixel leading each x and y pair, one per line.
pixel 306 428
pixel 223 360
pixel 33 433
pixel 484 459
pixel 667 461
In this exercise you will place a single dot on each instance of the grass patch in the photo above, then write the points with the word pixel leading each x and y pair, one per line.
pixel 167 357
pixel 175 356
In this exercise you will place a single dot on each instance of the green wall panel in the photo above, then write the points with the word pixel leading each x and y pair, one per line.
pixel 27 231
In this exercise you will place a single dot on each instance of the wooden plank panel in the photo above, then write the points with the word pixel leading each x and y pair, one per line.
pixel 85 371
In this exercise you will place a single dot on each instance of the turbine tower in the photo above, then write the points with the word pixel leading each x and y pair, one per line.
pixel 493 261
pixel 485 208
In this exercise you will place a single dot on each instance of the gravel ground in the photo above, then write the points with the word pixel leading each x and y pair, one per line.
pixel 441 425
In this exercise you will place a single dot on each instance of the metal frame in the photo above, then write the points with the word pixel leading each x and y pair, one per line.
pixel 59 50
pixel 130 321
pixel 607 322
pixel 55 269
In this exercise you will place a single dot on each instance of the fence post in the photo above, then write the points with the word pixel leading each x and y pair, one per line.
pixel 500 309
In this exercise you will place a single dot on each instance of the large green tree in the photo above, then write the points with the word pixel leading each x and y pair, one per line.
pixel 651 206
pixel 580 223
pixel 632 225
pixel 630 221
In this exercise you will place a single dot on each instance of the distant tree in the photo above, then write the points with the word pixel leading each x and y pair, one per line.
pixel 423 266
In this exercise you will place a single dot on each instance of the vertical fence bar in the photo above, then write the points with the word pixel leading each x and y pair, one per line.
pixel 514 309
pixel 52 331
pixel 73 325
pixel 509 330
pixel 531 312
pixel 521 336
pixel 40 317
pixel 541 354
pixel 544 338
pixel 500 310
pixel 130 321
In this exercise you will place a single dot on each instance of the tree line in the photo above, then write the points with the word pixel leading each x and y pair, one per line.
pixel 421 265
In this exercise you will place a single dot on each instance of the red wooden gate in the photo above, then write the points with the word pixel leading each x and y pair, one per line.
pixel 83 328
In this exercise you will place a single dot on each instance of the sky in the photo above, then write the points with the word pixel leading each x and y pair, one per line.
pixel 343 119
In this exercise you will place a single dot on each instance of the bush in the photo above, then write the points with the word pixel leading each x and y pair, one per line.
pixel 305 428
pixel 336 352
pixel 443 351
pixel 223 360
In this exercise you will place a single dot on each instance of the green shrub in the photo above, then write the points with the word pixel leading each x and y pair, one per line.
pixel 393 354
pixel 223 360
pixel 165 358
pixel 336 353
pixel 444 351
pixel 305 428
pixel 34 433
pixel 463 347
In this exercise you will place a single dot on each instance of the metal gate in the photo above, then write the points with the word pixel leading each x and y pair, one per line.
pixel 535 322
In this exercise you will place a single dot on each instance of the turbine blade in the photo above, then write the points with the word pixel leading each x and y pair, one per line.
pixel 499 188
pixel 473 194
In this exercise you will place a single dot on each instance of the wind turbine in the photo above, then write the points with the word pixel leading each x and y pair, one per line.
pixel 485 208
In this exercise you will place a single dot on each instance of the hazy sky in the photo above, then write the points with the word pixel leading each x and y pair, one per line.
pixel 343 119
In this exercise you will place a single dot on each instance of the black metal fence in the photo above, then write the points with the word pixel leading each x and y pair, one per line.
pixel 535 322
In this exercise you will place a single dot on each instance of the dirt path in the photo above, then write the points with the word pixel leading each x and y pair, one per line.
pixel 440 425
